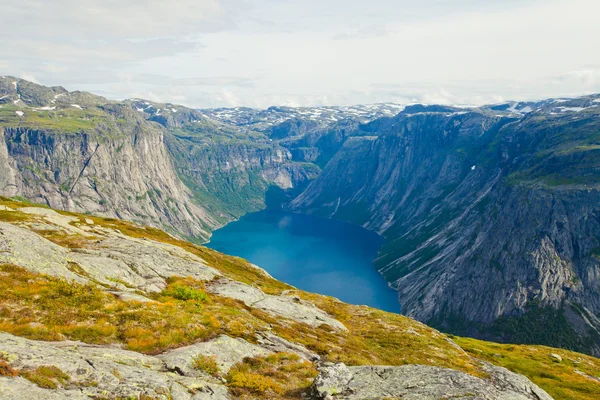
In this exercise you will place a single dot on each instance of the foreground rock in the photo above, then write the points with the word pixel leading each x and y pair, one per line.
pixel 284 306
pixel 98 372
pixel 419 382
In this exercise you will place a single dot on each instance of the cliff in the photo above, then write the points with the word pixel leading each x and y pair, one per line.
pixel 491 218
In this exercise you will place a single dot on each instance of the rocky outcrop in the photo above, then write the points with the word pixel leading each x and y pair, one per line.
pixel 421 382
pixel 284 306
pixel 226 350
pixel 95 371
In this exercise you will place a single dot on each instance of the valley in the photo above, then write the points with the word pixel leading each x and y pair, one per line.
pixel 489 216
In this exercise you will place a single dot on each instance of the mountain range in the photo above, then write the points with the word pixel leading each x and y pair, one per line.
pixel 490 214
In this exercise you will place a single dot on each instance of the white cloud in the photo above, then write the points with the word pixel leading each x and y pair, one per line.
pixel 29 77
pixel 265 52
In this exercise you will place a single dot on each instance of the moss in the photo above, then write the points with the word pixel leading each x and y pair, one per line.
pixel 46 376
pixel 206 364
pixel 278 376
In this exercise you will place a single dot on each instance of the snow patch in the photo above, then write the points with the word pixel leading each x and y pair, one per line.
pixel 19 113
pixel 46 108
pixel 77 106
pixel 571 109
pixel 15 84
pixel 174 110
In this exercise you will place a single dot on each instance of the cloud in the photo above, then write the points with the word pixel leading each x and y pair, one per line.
pixel 29 77
pixel 362 32
pixel 207 53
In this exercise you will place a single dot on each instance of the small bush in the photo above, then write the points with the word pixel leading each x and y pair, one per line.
pixel 254 383
pixel 206 364
pixel 7 370
pixel 46 376
pixel 187 293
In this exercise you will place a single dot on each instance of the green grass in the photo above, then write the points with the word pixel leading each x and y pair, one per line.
pixel 560 379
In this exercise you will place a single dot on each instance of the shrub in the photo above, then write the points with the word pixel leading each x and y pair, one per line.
pixel 46 376
pixel 7 370
pixel 254 383
pixel 206 364
pixel 187 293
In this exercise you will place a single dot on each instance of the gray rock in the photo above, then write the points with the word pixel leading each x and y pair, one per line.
pixel 113 372
pixel 419 382
pixel 283 306
pixel 227 351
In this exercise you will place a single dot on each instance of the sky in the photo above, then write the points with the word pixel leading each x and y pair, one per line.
pixel 229 53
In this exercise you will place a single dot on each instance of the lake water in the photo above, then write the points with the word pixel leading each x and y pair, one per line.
pixel 313 254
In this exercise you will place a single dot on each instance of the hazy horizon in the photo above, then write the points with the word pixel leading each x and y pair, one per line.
pixel 229 53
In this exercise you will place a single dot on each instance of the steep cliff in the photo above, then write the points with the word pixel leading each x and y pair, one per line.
pixel 159 164
pixel 491 218
pixel 80 152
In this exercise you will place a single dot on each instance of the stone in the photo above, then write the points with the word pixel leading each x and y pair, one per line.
pixel 115 373
pixel 283 306
pixel 227 351
pixel 555 357
pixel 420 382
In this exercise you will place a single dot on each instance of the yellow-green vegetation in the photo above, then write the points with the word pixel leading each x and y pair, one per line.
pixel 207 364
pixel 7 370
pixel 574 376
pixel 46 376
pixel 64 239
pixel 65 120
pixel 277 376
pixel 47 308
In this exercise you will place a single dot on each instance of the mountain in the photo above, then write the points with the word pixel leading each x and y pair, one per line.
pixel 491 216
pixel 96 307
pixel 490 213
pixel 159 164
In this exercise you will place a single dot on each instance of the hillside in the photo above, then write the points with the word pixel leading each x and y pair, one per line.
pixel 115 310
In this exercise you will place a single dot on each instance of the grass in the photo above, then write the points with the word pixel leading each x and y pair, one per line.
pixel 277 376
pixel 67 120
pixel 68 310
pixel 46 376
pixel 560 379
pixel 206 364
pixel 47 308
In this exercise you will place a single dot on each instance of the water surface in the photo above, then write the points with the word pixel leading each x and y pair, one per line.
pixel 313 254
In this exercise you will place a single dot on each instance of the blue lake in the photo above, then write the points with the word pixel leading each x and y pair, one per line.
pixel 313 254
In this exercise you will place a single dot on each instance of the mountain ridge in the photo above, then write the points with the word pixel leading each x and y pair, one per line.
pixel 453 168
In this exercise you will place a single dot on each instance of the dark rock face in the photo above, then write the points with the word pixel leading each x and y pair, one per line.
pixel 491 221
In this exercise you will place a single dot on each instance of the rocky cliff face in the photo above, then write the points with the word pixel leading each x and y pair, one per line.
pixel 129 176
pixel 491 219
pixel 159 164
